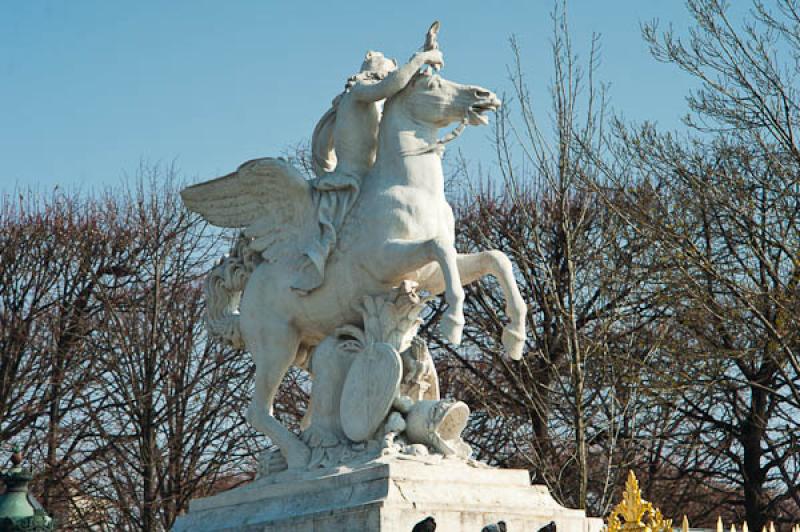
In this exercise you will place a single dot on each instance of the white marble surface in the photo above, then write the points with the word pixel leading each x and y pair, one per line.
pixel 389 497
pixel 331 274
pixel 399 230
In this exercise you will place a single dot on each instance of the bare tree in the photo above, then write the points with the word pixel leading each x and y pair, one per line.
pixel 108 378
pixel 568 410
pixel 56 256
pixel 720 209
pixel 172 400
pixel 723 222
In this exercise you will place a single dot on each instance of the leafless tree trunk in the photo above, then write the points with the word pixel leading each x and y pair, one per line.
pixel 173 400
pixel 721 211
pixel 55 258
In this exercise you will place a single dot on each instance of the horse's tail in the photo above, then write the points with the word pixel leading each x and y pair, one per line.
pixel 224 286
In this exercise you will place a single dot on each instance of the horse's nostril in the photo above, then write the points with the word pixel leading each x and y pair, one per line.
pixel 480 93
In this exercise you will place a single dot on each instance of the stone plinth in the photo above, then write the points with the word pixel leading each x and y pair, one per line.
pixel 388 496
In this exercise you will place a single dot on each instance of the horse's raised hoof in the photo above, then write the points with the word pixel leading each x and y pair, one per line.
pixel 513 342
pixel 452 328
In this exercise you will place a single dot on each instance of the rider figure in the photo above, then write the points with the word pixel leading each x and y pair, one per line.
pixel 344 146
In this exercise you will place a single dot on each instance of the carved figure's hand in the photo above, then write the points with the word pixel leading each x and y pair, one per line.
pixel 433 58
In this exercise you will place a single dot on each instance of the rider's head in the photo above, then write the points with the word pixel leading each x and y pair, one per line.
pixel 375 63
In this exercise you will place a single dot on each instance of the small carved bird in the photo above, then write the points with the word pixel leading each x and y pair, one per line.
pixel 426 525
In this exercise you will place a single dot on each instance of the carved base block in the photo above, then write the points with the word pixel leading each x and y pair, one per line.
pixel 388 496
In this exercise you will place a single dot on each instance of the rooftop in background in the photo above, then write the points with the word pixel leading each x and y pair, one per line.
pixel 89 89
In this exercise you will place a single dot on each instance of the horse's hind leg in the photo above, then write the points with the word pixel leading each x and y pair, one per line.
pixel 397 258
pixel 274 346
pixel 472 267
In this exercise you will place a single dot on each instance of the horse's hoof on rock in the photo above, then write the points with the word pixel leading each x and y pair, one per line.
pixel 297 456
pixel 452 328
pixel 513 342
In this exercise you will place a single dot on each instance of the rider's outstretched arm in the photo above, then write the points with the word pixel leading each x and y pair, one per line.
pixel 397 80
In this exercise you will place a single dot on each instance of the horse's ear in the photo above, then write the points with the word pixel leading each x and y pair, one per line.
pixel 369 55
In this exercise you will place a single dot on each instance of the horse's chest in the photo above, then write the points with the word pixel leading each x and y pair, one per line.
pixel 410 214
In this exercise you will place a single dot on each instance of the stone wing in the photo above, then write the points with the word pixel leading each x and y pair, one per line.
pixel 268 197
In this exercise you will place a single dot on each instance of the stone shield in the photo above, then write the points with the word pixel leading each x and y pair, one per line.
pixel 369 389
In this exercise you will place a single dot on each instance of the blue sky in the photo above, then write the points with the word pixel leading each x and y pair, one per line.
pixel 89 88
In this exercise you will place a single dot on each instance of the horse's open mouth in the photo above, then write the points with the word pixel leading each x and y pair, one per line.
pixel 477 112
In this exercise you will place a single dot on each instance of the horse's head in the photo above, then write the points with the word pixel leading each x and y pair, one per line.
pixel 431 99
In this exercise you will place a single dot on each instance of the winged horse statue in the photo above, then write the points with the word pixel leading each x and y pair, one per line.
pixel 400 229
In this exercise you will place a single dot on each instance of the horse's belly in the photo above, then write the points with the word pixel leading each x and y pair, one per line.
pixel 333 304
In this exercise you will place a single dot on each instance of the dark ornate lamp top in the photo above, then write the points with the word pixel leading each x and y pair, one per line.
pixel 18 509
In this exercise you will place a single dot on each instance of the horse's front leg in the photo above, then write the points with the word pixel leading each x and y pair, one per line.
pixel 397 259
pixel 473 266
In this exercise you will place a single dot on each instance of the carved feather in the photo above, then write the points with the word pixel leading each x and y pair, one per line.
pixel 268 197
pixel 256 189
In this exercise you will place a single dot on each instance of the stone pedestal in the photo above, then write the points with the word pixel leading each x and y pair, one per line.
pixel 386 496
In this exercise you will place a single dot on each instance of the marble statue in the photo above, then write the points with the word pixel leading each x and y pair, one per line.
pixel 343 150
pixel 332 274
